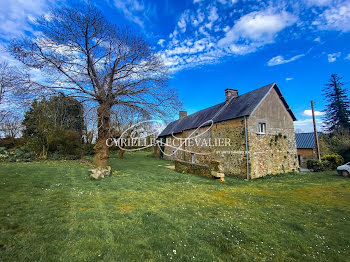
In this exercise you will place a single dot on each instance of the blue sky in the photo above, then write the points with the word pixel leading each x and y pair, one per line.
pixel 212 45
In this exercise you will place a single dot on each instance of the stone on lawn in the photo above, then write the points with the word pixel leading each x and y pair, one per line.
pixel 100 172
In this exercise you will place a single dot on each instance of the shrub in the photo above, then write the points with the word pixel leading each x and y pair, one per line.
pixel 19 142
pixel 16 156
pixel 336 143
pixel 72 157
pixel 10 142
pixel 334 160
pixel 2 150
pixel 18 153
pixel 66 142
pixel 7 142
pixel 314 165
pixel 88 149
pixel 34 144
pixel 55 156
pixel 327 165
pixel 28 156
pixel 4 156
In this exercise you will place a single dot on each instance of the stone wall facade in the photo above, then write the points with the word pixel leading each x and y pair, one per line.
pixel 232 158
pixel 305 154
pixel 275 151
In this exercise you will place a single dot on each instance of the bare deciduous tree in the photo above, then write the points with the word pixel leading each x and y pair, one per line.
pixel 14 86
pixel 11 126
pixel 123 119
pixel 83 54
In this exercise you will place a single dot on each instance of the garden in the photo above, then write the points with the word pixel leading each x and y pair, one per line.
pixel 54 211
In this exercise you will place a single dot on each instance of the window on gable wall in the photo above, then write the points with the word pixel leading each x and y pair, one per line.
pixel 262 128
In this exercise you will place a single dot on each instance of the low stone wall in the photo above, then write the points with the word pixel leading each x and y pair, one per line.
pixel 193 168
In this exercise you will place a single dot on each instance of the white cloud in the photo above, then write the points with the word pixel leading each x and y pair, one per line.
pixel 260 27
pixel 333 57
pixel 198 18
pixel 213 16
pixel 335 18
pixel 203 36
pixel 306 125
pixel 289 78
pixel 318 2
pixel 278 60
pixel 348 57
pixel 182 23
pixel 133 10
pixel 161 42
pixel 317 39
pixel 309 113
pixel 227 2
pixel 17 15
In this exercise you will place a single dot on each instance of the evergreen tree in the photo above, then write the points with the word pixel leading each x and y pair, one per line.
pixel 54 125
pixel 59 111
pixel 338 105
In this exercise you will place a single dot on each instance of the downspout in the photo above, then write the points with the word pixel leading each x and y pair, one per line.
pixel 246 145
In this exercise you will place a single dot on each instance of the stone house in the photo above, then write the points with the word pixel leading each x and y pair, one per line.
pixel 257 124
pixel 306 147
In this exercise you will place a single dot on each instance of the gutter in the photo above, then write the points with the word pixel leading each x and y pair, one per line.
pixel 246 145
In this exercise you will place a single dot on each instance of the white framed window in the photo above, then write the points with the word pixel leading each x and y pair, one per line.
pixel 262 128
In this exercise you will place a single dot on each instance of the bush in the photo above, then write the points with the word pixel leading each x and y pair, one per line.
pixel 7 142
pixel 16 156
pixel 72 157
pixel 336 143
pixel 2 150
pixel 28 156
pixel 18 153
pixel 4 156
pixel 334 160
pixel 314 165
pixel 329 162
pixel 10 142
pixel 34 145
pixel 88 149
pixel 65 142
pixel 327 165
pixel 58 144
pixel 55 156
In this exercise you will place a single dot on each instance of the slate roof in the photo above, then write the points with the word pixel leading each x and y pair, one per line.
pixel 306 140
pixel 240 106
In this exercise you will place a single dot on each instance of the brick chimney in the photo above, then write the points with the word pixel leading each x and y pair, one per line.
pixel 230 93
pixel 182 114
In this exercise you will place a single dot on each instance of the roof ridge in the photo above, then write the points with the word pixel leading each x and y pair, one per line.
pixel 200 111
pixel 308 132
pixel 236 107
pixel 233 98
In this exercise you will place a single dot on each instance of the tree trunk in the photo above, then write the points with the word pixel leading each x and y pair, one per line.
pixel 121 153
pixel 101 149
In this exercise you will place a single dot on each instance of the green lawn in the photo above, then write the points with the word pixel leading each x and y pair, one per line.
pixel 53 211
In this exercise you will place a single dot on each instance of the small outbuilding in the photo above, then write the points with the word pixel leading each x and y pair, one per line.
pixel 306 147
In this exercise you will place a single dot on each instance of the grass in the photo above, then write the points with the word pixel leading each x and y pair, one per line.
pixel 53 211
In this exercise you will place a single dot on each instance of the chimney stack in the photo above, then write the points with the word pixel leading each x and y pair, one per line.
pixel 230 93
pixel 182 114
